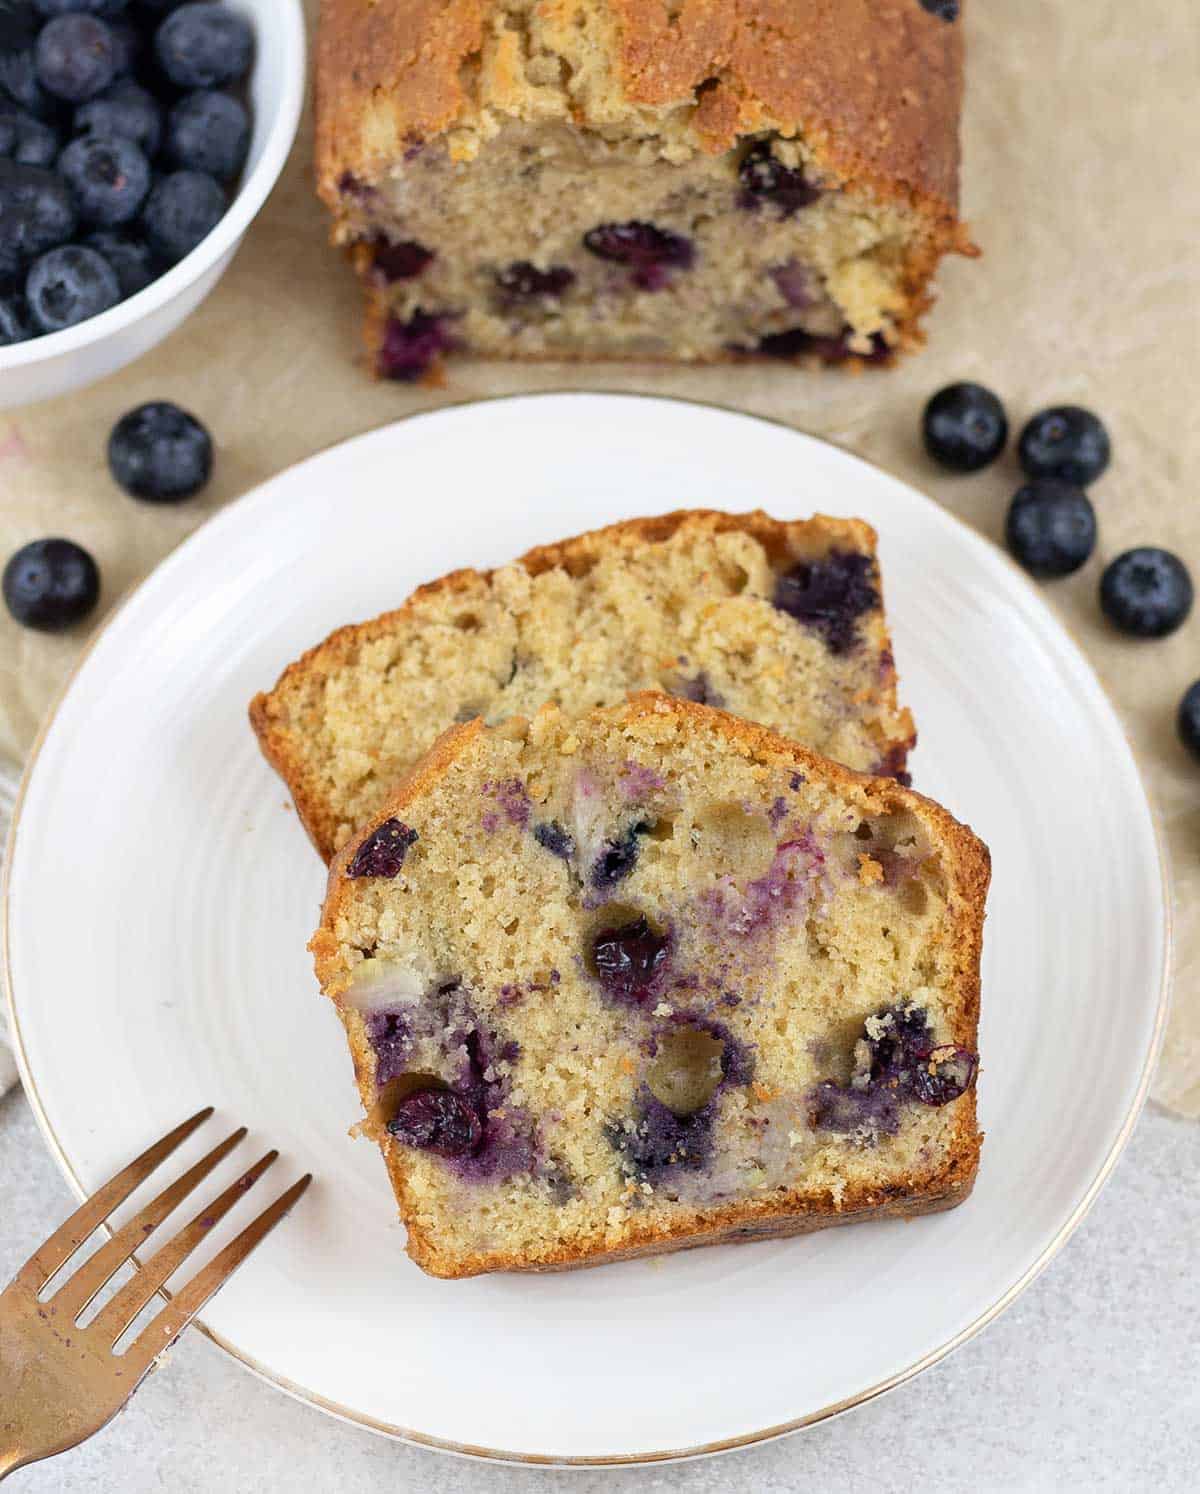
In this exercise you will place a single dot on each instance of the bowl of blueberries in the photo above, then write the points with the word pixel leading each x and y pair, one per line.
pixel 138 140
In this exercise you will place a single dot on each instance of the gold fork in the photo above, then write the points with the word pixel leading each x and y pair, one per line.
pixel 60 1383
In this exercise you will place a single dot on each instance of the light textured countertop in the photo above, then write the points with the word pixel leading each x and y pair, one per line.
pixel 1090 1381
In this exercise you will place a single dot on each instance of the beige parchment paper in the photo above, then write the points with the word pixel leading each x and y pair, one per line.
pixel 1082 184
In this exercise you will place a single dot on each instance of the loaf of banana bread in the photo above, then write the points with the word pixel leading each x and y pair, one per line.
pixel 710 180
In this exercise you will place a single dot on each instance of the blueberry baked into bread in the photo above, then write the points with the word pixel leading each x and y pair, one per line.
pixel 638 178
pixel 780 622
pixel 654 978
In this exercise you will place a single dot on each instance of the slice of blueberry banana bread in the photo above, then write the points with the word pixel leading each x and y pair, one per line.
pixel 638 179
pixel 780 622
pixel 653 978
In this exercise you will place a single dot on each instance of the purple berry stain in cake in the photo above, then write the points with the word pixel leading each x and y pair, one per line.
pixel 797 343
pixel 438 1121
pixel 765 179
pixel 893 765
pixel 410 348
pixel 778 812
pixel 512 802
pixel 896 1060
pixel 522 281
pixel 638 781
pixel 699 690
pixel 656 1141
pixel 402 261
pixel 382 853
pixel 507 1146
pixel 795 284
pixel 630 961
pixel 651 253
pixel 553 837
pixel 829 595
pixel 786 889
pixel 391 1040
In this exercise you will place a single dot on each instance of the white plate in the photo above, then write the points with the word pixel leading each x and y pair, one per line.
pixel 160 898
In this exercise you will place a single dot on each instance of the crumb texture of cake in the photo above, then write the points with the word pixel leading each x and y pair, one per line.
pixel 782 623
pixel 654 978
pixel 637 179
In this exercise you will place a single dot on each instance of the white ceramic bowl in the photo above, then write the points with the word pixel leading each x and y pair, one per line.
pixel 62 361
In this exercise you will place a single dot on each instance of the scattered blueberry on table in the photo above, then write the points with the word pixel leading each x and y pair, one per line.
pixel 964 427
pixel 1051 527
pixel 1146 592
pixel 114 114
pixel 51 584
pixel 1188 719
pixel 1066 443
pixel 160 453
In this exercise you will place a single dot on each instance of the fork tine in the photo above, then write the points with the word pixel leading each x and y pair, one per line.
pixel 74 1295
pixel 113 1319
pixel 162 1331
pixel 65 1241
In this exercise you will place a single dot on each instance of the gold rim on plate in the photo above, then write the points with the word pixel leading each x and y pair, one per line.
pixel 750 1439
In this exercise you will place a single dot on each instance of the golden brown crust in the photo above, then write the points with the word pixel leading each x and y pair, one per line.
pixel 874 85
pixel 269 711
pixel 799 1211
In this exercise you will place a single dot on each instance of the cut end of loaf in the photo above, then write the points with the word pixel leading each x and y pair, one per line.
pixel 599 181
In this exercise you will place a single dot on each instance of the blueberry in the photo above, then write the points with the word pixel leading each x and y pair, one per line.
pixel 106 8
pixel 126 109
pixel 19 84
pixel 945 10
pixel 76 57
pixel 208 131
pixel 14 321
pixel 109 176
pixel 617 858
pixel 160 453
pixel 129 256
pixel 70 285
pixel 19 24
pixel 204 45
pixel 181 211
pixel 964 427
pixel 1146 592
pixel 51 584
pixel 765 179
pixel 36 213
pixel 26 140
pixel 1067 443
pixel 410 348
pixel 1188 719
pixel 941 1076
pixel 649 252
pixel 551 836
pixel 382 853
pixel 438 1121
pixel 402 261
pixel 829 595
pixel 629 961
pixel 1051 527
pixel 522 281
